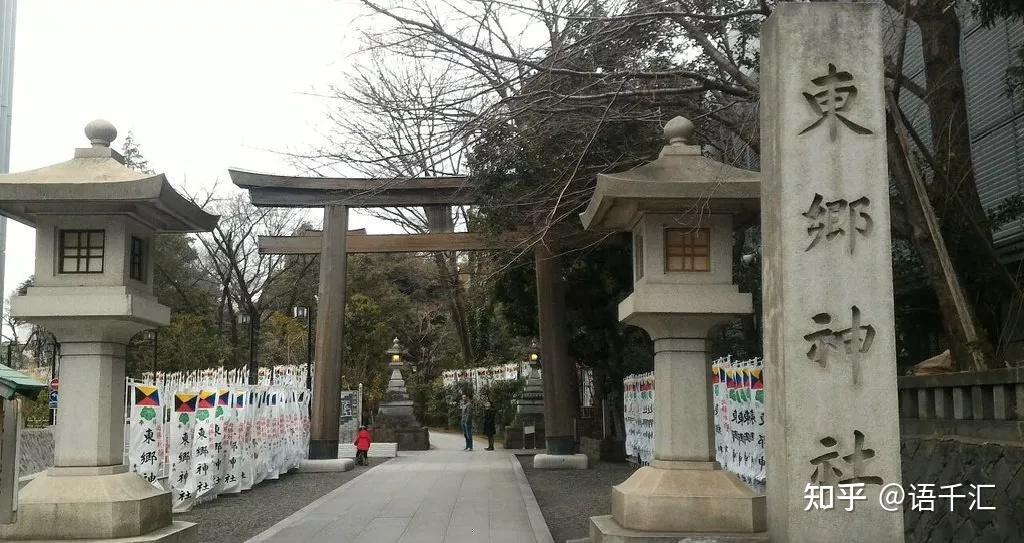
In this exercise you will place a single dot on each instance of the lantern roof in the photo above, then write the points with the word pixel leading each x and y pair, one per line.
pixel 680 180
pixel 96 182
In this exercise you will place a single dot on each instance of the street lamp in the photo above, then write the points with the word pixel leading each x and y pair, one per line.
pixel 306 314
pixel 154 336
pixel 253 369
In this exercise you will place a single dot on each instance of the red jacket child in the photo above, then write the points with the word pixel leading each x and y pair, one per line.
pixel 363 440
pixel 362 445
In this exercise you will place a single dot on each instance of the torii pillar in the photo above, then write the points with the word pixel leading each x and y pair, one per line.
pixel 560 388
pixel 330 336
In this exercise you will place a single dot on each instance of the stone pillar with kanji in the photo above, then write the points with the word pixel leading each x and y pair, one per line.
pixel 829 334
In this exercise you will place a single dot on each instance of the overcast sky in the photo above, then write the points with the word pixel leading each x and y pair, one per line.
pixel 203 85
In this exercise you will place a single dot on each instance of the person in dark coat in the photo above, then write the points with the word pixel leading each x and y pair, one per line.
pixel 466 410
pixel 489 424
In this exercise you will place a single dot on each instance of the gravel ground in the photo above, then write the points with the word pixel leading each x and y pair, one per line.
pixel 569 498
pixel 238 517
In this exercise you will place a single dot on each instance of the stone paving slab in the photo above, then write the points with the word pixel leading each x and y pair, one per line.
pixel 444 495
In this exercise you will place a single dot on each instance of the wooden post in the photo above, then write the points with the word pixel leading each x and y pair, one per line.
pixel 330 329
pixel 8 460
pixel 559 375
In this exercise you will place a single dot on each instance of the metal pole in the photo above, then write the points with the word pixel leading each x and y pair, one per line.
pixel 254 376
pixel 309 349
pixel 8 11
pixel 156 345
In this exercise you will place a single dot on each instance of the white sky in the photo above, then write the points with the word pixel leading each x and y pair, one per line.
pixel 204 85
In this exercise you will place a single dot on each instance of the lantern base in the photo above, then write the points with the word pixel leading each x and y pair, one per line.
pixel 687 500
pixel 84 503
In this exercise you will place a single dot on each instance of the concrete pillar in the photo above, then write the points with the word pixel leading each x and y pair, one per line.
pixel 1002 397
pixel 330 333
pixel 943 403
pixel 90 426
pixel 961 403
pixel 925 407
pixel 829 341
pixel 981 402
pixel 908 404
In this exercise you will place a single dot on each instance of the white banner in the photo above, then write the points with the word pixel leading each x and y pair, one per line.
pixel 738 407
pixel 146 432
pixel 181 481
pixel 638 399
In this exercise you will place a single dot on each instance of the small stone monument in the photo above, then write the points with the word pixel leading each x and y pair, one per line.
pixel 682 209
pixel 95 222
pixel 829 333
pixel 396 422
pixel 529 409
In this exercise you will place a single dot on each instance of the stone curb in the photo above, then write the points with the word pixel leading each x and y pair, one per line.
pixel 540 527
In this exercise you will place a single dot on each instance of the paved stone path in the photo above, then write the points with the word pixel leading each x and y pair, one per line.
pixel 441 495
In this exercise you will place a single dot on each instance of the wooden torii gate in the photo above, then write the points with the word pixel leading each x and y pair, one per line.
pixel 436 195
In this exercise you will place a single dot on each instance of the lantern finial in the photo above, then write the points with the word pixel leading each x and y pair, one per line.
pixel 679 130
pixel 100 133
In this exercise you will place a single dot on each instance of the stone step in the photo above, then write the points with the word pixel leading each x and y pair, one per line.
pixel 377 450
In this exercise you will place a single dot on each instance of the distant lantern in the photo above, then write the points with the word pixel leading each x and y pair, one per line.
pixel 396 351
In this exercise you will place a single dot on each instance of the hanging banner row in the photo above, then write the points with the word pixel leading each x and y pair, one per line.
pixel 738 398
pixel 202 436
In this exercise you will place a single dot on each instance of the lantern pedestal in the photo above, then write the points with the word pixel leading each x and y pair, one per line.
pixel 684 489
pixel 105 502
pixel 90 494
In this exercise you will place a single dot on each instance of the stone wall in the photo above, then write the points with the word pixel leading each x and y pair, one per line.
pixel 36 450
pixel 948 461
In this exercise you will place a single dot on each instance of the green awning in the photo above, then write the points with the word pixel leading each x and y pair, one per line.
pixel 14 382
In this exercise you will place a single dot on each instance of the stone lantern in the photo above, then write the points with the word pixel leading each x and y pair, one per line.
pixel 396 421
pixel 529 408
pixel 95 222
pixel 682 210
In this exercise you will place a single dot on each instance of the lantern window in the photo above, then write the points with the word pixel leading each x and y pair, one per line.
pixel 81 251
pixel 137 260
pixel 687 249
pixel 638 255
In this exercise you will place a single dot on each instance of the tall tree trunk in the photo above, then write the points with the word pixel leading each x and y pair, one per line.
pixel 955 194
pixel 968 353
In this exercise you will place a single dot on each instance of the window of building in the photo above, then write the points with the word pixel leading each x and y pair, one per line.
pixel 81 251
pixel 638 255
pixel 137 260
pixel 687 249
